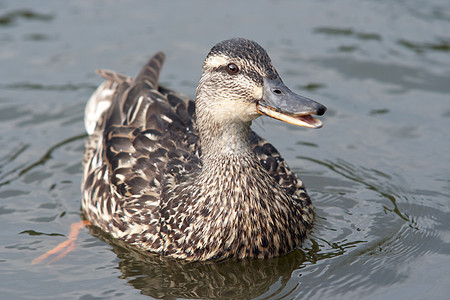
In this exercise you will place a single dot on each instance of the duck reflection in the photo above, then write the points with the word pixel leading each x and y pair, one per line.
pixel 163 277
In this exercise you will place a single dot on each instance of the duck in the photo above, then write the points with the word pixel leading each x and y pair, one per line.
pixel 189 179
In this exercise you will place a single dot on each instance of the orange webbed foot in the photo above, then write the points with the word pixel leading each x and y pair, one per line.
pixel 65 247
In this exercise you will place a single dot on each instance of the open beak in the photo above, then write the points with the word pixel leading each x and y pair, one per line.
pixel 279 102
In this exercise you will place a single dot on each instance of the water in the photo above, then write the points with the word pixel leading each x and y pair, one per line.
pixel 378 171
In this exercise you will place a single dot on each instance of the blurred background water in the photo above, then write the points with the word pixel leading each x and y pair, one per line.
pixel 378 171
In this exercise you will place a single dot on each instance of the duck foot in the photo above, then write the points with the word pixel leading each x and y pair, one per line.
pixel 65 247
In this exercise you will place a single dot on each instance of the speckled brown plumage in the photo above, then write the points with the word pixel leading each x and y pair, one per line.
pixel 174 177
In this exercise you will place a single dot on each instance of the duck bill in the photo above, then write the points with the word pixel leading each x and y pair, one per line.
pixel 279 102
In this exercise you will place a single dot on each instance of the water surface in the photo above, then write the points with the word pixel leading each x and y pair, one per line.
pixel 378 171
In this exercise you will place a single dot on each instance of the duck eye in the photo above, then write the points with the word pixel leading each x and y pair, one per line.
pixel 232 68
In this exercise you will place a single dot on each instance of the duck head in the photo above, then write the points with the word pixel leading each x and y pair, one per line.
pixel 239 83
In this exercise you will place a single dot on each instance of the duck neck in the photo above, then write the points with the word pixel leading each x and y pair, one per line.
pixel 223 122
pixel 224 140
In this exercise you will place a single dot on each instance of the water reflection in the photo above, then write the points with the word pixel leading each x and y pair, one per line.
pixel 163 277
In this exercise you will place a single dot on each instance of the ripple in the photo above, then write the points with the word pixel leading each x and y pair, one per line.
pixel 23 246
pixel 307 144
pixel 12 193
pixel 6 211
pixel 24 170
pixel 37 37
pixel 440 45
pixel 406 77
pixel 380 111
pixel 377 246
pixel 12 17
pixel 337 31
pixel 43 219
pixel 312 86
pixel 36 233
pixel 48 87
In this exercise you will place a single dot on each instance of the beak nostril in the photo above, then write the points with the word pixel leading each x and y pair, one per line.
pixel 278 92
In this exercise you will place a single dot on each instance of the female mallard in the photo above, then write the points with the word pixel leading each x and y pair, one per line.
pixel 191 179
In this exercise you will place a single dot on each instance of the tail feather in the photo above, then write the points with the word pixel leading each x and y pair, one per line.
pixel 114 76
pixel 102 99
pixel 150 72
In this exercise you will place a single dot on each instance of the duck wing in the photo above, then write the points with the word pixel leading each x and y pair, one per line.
pixel 141 136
